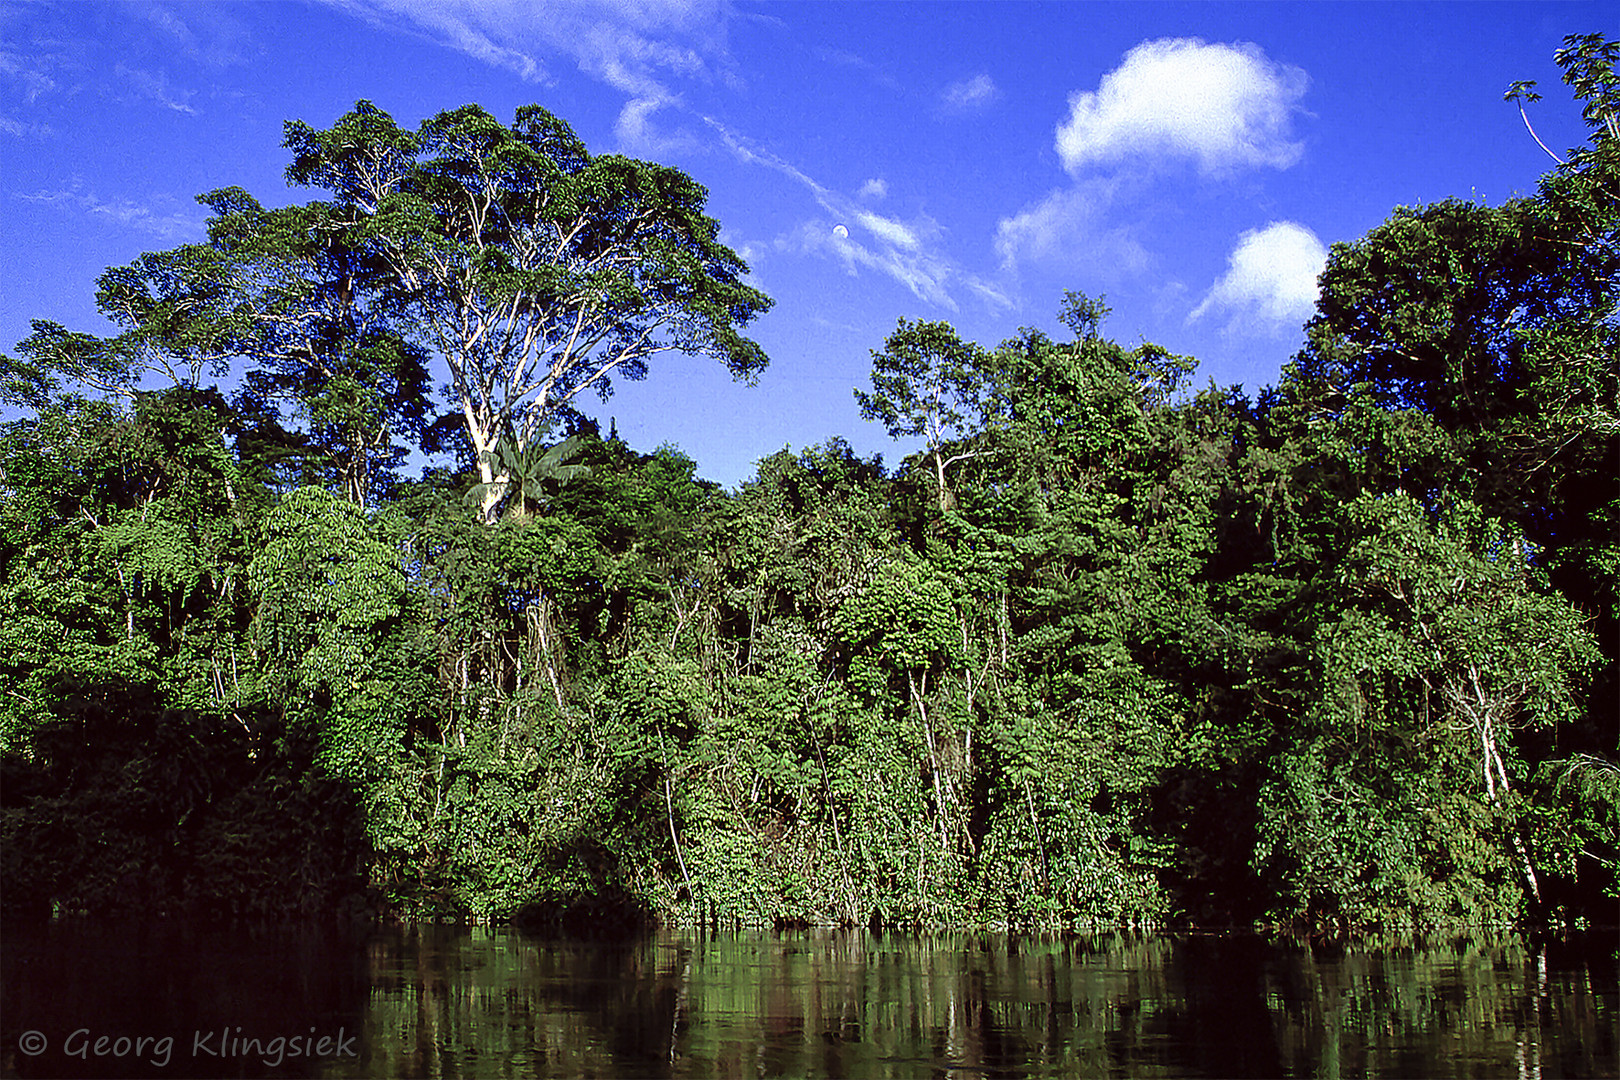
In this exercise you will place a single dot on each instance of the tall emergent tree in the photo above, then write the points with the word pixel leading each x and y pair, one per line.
pixel 534 269
pixel 927 381
pixel 1502 325
pixel 325 337
pixel 293 296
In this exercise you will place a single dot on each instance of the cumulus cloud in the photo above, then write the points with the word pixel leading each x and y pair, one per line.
pixel 1223 107
pixel 874 189
pixel 1270 279
pixel 1226 107
pixel 973 93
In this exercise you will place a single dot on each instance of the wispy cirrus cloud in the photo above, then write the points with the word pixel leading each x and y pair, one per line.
pixel 1073 226
pixel 25 130
pixel 154 86
pixel 855 62
pixel 51 61
pixel 638 47
pixel 926 273
pixel 1225 107
pixel 894 233
pixel 168 225
pixel 27 74
pixel 1270 284
pixel 38 68
pixel 210 34
pixel 646 49
pixel 909 252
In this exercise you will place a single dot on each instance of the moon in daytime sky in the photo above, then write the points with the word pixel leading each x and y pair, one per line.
pixel 841 231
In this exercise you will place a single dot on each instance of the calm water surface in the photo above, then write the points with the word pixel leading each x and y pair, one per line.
pixel 163 999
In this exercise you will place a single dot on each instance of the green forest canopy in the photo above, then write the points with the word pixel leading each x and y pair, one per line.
pixel 1106 651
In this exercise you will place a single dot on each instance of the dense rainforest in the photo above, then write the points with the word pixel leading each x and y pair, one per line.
pixel 1109 649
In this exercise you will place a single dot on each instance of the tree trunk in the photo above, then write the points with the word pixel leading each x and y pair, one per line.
pixel 940 798
pixel 947 501
pixel 540 616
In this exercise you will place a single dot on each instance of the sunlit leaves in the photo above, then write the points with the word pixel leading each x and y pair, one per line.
pixel 523 472
pixel 928 382
pixel 325 592
pixel 1458 608
pixel 902 621
pixel 535 270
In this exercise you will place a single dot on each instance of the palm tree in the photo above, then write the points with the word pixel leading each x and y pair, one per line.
pixel 523 471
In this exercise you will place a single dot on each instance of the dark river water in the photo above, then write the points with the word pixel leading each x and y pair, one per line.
pixel 162 999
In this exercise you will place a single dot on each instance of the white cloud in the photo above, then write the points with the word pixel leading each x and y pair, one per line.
pixel 1226 107
pixel 1270 280
pixel 464 35
pixel 891 232
pixel 155 87
pixel 635 46
pixel 175 226
pixel 635 129
pixel 973 93
pixel 750 252
pixel 1070 226
pixel 643 48
pixel 908 252
pixel 928 275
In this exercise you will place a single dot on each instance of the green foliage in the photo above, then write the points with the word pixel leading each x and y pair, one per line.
pixel 929 382
pixel 328 601
pixel 1576 825
pixel 1342 655
pixel 535 269
pixel 523 472
pixel 902 622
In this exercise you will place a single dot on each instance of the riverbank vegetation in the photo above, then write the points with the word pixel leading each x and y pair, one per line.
pixel 1109 649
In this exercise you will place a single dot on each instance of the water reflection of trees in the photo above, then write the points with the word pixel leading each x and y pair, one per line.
pixel 458 1003
pixel 449 1001
pixel 1490 1007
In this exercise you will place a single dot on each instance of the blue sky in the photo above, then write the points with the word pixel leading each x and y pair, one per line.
pixel 1192 162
